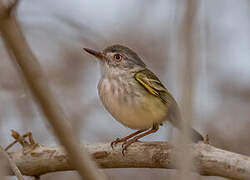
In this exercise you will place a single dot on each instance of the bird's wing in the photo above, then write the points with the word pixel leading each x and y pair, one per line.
pixel 154 86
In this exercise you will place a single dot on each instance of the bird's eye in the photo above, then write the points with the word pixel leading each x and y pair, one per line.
pixel 117 57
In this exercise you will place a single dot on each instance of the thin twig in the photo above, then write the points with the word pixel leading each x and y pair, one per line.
pixel 188 73
pixel 38 83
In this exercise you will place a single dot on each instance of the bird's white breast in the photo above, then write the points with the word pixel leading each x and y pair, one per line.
pixel 129 103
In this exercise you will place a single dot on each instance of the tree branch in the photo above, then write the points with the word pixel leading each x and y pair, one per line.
pixel 210 161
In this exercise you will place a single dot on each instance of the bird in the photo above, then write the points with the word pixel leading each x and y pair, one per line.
pixel 134 95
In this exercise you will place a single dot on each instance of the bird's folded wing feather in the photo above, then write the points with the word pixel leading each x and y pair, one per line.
pixel 154 86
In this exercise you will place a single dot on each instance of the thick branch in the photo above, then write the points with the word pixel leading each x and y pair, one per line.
pixel 210 161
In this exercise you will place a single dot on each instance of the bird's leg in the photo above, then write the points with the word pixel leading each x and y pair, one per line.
pixel 124 139
pixel 126 144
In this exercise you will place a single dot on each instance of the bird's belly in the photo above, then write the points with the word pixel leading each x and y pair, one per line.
pixel 136 117
pixel 137 111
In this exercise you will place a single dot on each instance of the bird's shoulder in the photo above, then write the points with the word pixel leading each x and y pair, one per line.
pixel 153 85
pixel 150 81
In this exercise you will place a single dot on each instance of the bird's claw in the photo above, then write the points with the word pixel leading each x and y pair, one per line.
pixel 116 141
pixel 126 144
pixel 124 150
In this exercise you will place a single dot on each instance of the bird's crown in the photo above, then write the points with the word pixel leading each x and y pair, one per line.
pixel 126 53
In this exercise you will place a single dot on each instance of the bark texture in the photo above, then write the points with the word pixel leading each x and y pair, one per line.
pixel 208 160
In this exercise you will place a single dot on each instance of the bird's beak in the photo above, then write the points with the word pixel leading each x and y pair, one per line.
pixel 97 54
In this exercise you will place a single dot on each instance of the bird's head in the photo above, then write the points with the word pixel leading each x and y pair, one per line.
pixel 118 57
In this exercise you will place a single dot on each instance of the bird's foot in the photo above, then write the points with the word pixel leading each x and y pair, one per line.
pixel 118 140
pixel 126 138
pixel 126 144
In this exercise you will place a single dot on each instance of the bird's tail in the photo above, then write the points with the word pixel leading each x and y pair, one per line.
pixel 196 136
pixel 175 118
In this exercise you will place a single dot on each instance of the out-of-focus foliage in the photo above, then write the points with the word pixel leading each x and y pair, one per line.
pixel 58 30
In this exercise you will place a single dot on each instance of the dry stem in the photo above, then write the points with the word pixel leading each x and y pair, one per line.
pixel 38 83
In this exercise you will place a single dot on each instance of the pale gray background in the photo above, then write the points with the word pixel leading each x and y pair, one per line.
pixel 58 30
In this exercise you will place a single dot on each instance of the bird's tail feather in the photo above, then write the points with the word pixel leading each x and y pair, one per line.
pixel 195 136
pixel 175 119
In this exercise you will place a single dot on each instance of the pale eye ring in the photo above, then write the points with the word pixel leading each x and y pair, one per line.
pixel 117 57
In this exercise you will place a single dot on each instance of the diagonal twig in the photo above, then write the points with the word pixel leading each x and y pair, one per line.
pixel 12 164
pixel 39 86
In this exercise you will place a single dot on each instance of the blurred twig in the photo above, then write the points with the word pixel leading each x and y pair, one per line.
pixel 210 161
pixel 12 165
pixel 188 81
pixel 38 83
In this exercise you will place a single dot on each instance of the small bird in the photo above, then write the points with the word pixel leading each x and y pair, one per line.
pixel 134 95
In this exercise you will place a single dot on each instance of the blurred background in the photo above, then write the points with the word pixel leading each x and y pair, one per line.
pixel 215 40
